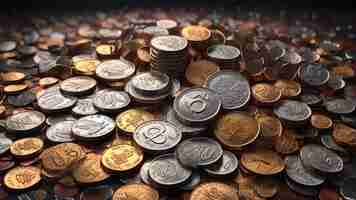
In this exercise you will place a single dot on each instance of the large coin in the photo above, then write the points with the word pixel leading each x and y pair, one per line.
pixel 52 100
pixel 26 147
pixel 111 100
pixel 262 161
pixel 136 191
pixel 157 136
pixel 93 127
pixel 24 122
pixel 169 43
pixel 115 70
pixel 151 83
pixel 166 171
pixel 199 151
pixel 314 75
pixel 293 111
pixel 214 191
pixel 78 85
pixel 227 166
pixel 122 158
pixel 129 120
pixel 321 159
pixel 60 132
pixel 197 105
pixel 21 178
pixel 232 87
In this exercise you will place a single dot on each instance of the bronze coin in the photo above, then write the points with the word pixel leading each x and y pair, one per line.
pixel 214 191
pixel 48 81
pixel 344 134
pixel 26 147
pixel 196 33
pixel 129 120
pixel 271 127
pixel 16 88
pixel 287 143
pixel 21 178
pixel 266 93
pixel 262 161
pixel 320 121
pixel 89 170
pixel 198 72
pixel 136 191
pixel 289 88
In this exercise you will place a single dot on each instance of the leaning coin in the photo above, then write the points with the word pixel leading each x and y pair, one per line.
pixel 314 75
pixel 232 87
pixel 111 100
pixel 166 171
pixel 198 152
pixel 292 111
pixel 129 120
pixel 26 147
pixel 321 159
pixel 5 144
pixel 90 170
pixel 121 158
pixel 93 127
pixel 21 178
pixel 78 85
pixel 197 105
pixel 297 172
pixel 214 191
pixel 340 106
pixel 115 70
pixel 227 166
pixel 52 100
pixel 21 100
pixel 347 189
pixel 60 132
pixel 262 161
pixel 157 136
pixel 84 107
pixel 136 191
pixel 25 122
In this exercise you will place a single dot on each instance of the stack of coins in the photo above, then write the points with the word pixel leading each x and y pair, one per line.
pixel 169 55
pixel 198 36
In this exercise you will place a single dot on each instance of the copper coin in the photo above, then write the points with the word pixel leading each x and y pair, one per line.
pixel 328 193
pixel 121 158
pixel 287 142
pixel 48 81
pixel 344 134
pixel 136 191
pixel 129 120
pixel 196 33
pixel 266 93
pixel 89 170
pixel 14 89
pixel 271 127
pixel 262 161
pixel 12 77
pixel 289 88
pixel 143 54
pixel 198 72
pixel 214 191
pixel 20 178
pixel 266 187
pixel 105 49
pixel 26 147
pixel 320 121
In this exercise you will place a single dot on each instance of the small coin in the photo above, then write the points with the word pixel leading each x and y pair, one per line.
pixel 115 70
pixel 129 120
pixel 48 81
pixel 287 142
pixel 122 158
pixel 78 85
pixel 321 159
pixel 340 106
pixel 25 122
pixel 157 136
pixel 102 193
pixel 16 88
pixel 232 87
pixel 198 72
pixel 291 110
pixel 214 191
pixel 85 106
pixel 320 121
pixel 344 135
pixel 329 142
pixel 266 187
pixel 196 33
pixel 5 144
pixel 227 166
pixel 315 75
pixel 20 178
pixel 197 105
pixel 236 130
pixel 199 151
pixel 105 49
pixel 289 88
pixel 53 119
pixel 155 31
pixel 21 100
pixel 86 66
pixel 302 189
pixel 169 43
pixel 12 77
pixel 52 100
pixel 26 147
pixel 93 127
pixel 166 171
pixel 89 170
pixel 223 52
pixel 60 132
pixel 262 161
pixel 347 189
pixel 111 100
pixel 136 191
pixel 270 127
pixel 266 93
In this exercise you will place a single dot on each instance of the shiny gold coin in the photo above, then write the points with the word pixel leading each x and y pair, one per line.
pixel 26 147
pixel 236 130
pixel 48 81
pixel 122 158
pixel 214 191
pixel 86 66
pixel 89 170
pixel 287 143
pixel 344 135
pixel 129 120
pixel 11 77
pixel 16 88
pixel 136 191
pixel 289 88
pixel 266 93
pixel 196 33
pixel 262 161
pixel 106 49
pixel 198 72
pixel 320 121
pixel 20 178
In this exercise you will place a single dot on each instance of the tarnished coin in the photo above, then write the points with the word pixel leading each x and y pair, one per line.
pixel 60 132
pixel 223 52
pixel 347 190
pixel 93 127
pixel 90 170
pixel 289 88
pixel 340 106
pixel 344 135
pixel 197 105
pixel 214 191
pixel 196 33
pixel 52 100
pixel 129 120
pixel 227 166
pixel 270 127
pixel 5 144
pixel 166 171
pixel 151 83
pixel 78 85
pixel 94 193
pixel 85 106
pixel 293 111
pixel 314 75
pixel 321 159
pixel 169 43
pixel 320 121
pixel 12 77
pixel 236 130
pixel 287 142
pixel 136 191
pixel 21 100
pixel 350 92
pixel 25 122
pixel 266 93
pixel 15 88
pixel 26 147
pixel 122 158
pixel 311 97
pixel 115 70
pixel 20 178
pixel 199 151
pixel 329 142
pixel 111 100
pixel 262 161
pixel 157 136
pixel 296 171
pixel 198 72
pixel 232 87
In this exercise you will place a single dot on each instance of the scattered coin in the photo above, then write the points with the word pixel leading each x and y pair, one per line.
pixel 122 158
pixel 197 72
pixel 266 93
pixel 12 77
pixel 93 127
pixel 115 70
pixel 129 120
pixel 291 110
pixel 315 75
pixel 289 88
pixel 227 166
pixel 15 89
pixel 340 106
pixel 136 191
pixel 60 132
pixel 85 106
pixel 320 121
pixel 110 100
pixel 262 161
pixel 25 122
pixel 52 100
pixel 26 147
pixel 214 190
pixel 21 100
pixel 89 170
pixel 20 178
pixel 78 85
pixel 343 134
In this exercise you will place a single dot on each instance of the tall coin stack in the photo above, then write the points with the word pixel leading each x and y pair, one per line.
pixel 169 55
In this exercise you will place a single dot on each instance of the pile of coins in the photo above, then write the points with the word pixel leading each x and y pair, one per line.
pixel 182 104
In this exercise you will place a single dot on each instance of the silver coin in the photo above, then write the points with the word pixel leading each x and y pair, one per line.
pixel 78 85
pixel 108 100
pixel 291 110
pixel 25 121
pixel 151 83
pixel 301 189
pixel 60 132
pixel 52 100
pixel 227 165
pixel 145 99
pixel 223 52
pixel 340 106
pixel 84 107
pixel 93 127
pixel 169 43
pixel 155 31
pixel 53 119
pixel 7 46
pixel 5 144
pixel 329 142
pixel 315 75
pixel 115 70
pixel 144 172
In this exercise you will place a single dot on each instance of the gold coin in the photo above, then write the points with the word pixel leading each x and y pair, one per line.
pixel 48 81
pixel 289 88
pixel 136 191
pixel 16 88
pixel 320 121
pixel 20 178
pixel 198 72
pixel 26 147
pixel 214 191
pixel 236 130
pixel 122 157
pixel 106 49
pixel 196 33
pixel 262 161
pixel 11 77
pixel 89 170
pixel 343 71
pixel 266 93
pixel 86 66
pixel 129 120
pixel 344 135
